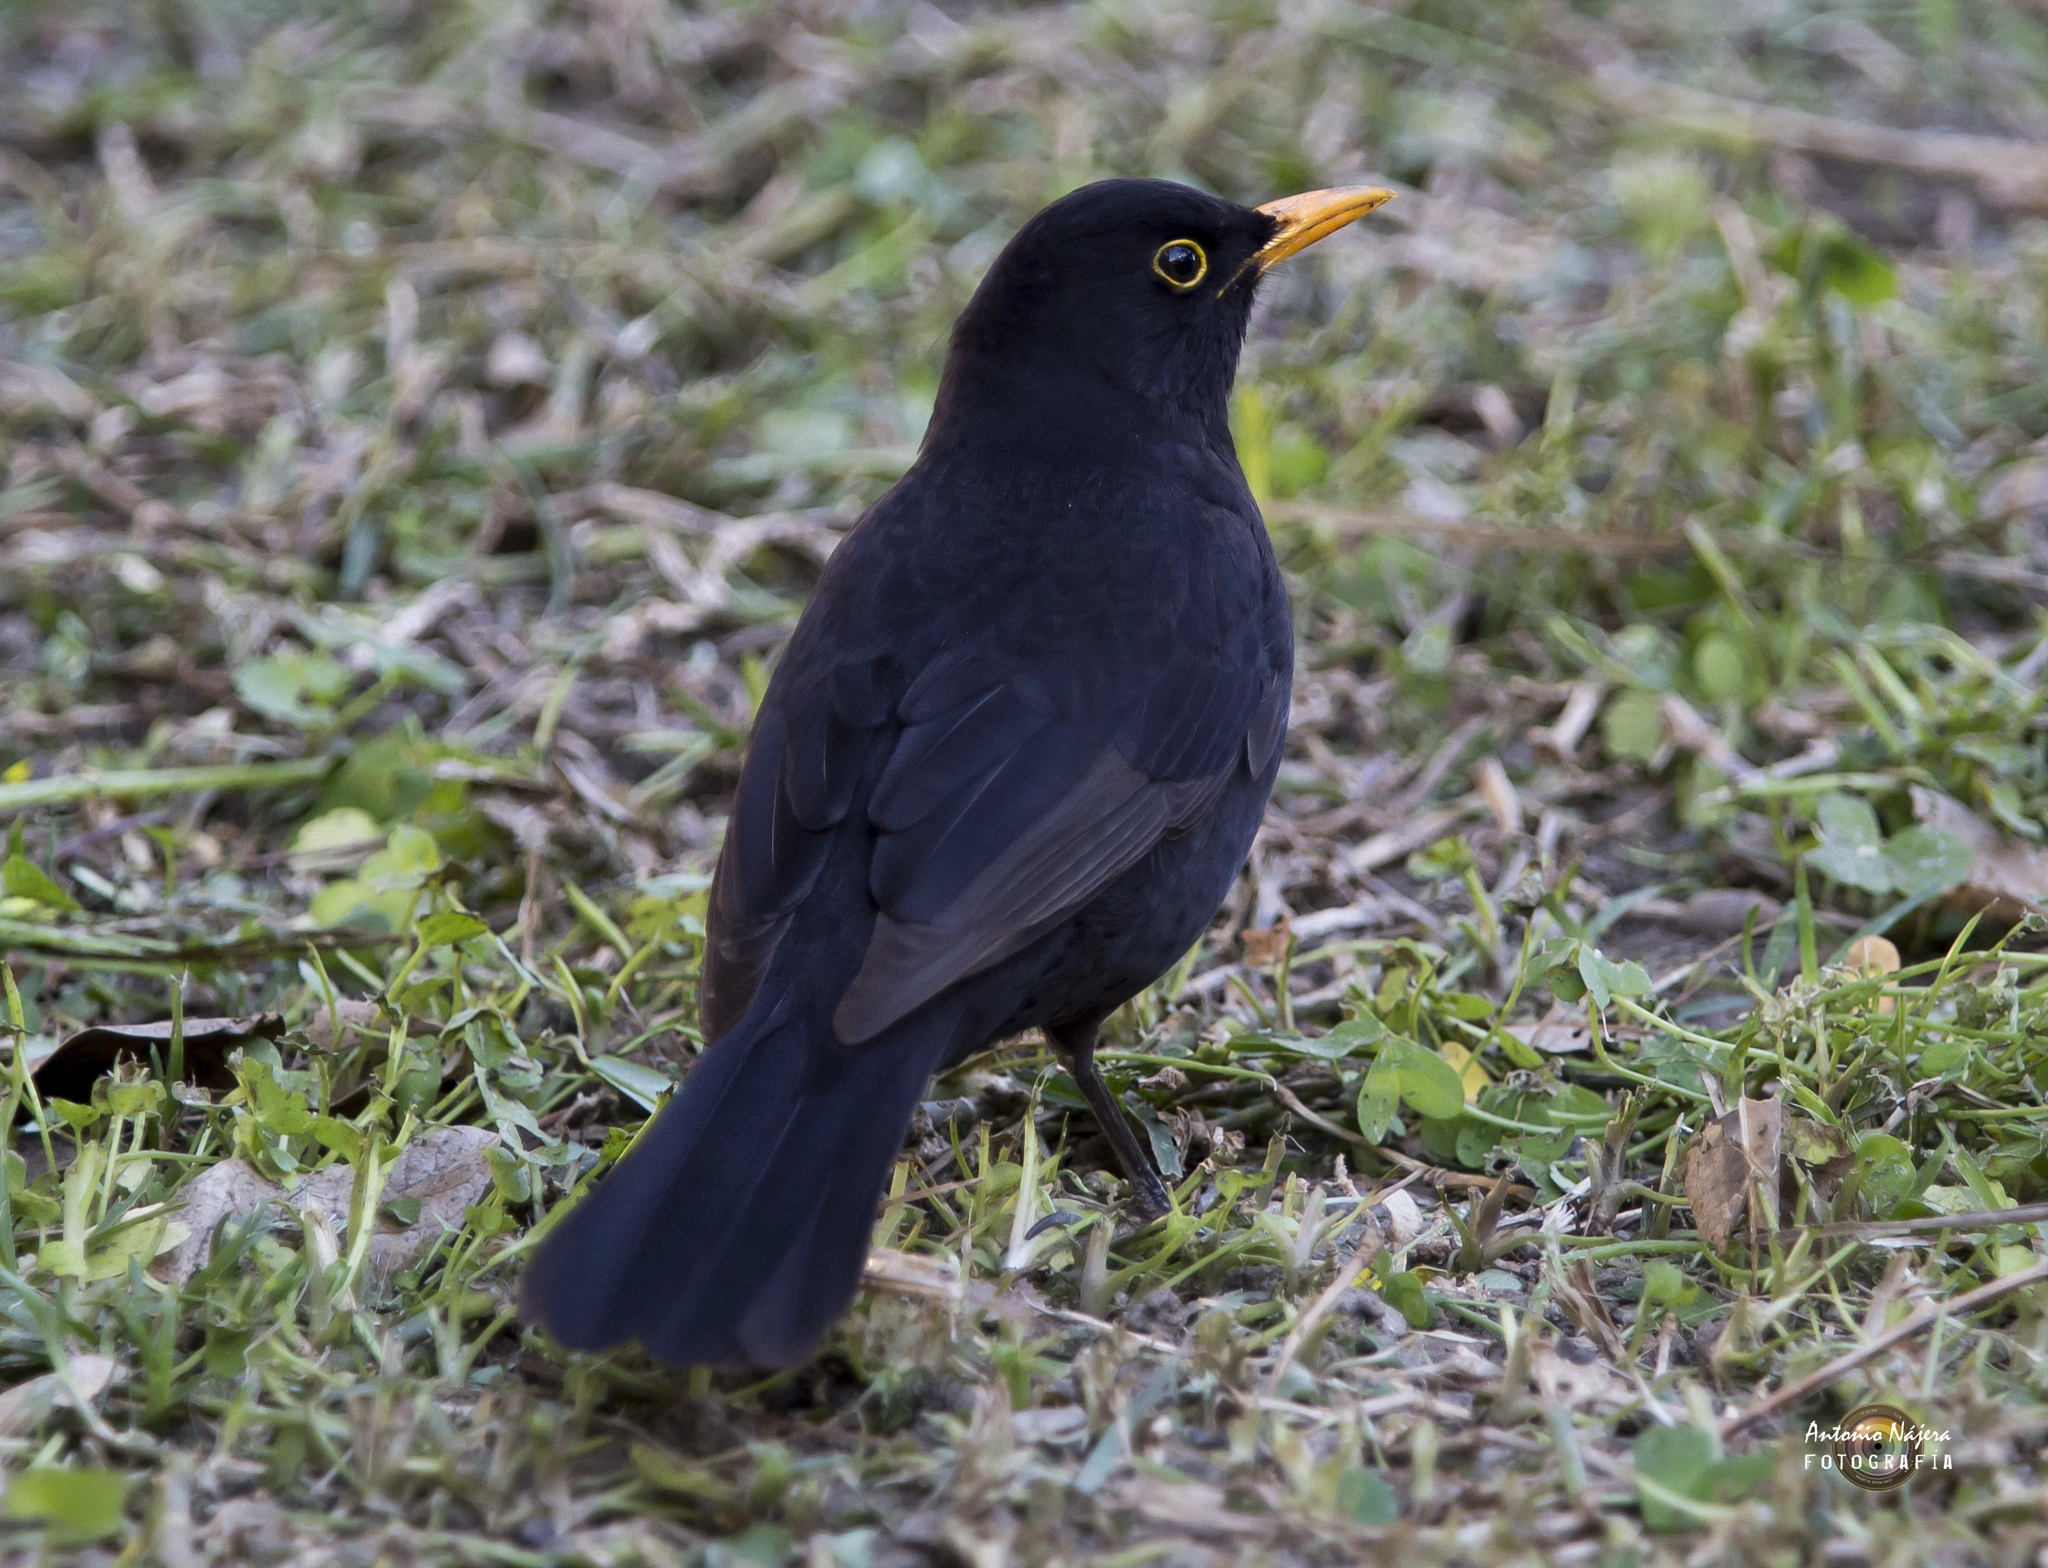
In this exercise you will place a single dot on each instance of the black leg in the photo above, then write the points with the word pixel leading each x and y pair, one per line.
pixel 1076 1045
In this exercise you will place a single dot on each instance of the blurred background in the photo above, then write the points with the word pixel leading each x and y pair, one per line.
pixel 426 420
pixel 378 361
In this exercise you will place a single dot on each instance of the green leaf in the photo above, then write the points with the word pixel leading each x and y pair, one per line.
pixel 277 1109
pixel 1164 1153
pixel 1884 1171
pixel 1606 979
pixel 1853 269
pixel 1404 1293
pixel 1346 1039
pixel 272 688
pixel 1439 1137
pixel 638 1083
pixel 1578 1108
pixel 1447 857
pixel 293 688
pixel 510 1175
pixel 1851 845
pixel 1364 1495
pixel 1721 667
pixel 449 927
pixel 76 1505
pixel 1376 1110
pixel 1632 727
pixel 1677 1458
pixel 21 877
pixel 1738 1475
pixel 134 1099
pixel 1476 1139
pixel 1564 983
pixel 1666 1284
pixel 1945 1058
pixel 1926 860
pixel 410 853
pixel 345 827
pixel 74 1115
pixel 340 1136
pixel 1423 1081
pixel 1468 1006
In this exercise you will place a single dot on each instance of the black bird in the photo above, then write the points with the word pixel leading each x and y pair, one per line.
pixel 1005 772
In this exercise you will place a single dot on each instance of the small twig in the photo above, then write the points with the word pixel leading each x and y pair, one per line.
pixel 1933 1224
pixel 1293 1102
pixel 1368 1248
pixel 1763 1409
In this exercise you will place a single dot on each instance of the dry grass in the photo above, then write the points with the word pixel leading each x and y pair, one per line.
pixel 421 426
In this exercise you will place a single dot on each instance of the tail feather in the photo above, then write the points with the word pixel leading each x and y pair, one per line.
pixel 739 1224
pixel 818 1273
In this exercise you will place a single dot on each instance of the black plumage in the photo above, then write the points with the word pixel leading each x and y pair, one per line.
pixel 1013 756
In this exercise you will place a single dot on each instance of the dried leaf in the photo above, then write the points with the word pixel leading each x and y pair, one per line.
pixel 1574 1290
pixel 444 1169
pixel 2008 877
pixel 1558 1033
pixel 1763 1136
pixel 1732 1171
pixel 27 1405
pixel 70 1071
pixel 231 1191
pixel 1266 946
pixel 353 1016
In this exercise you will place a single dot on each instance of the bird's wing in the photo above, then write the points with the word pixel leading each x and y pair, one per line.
pixel 1007 805
pixel 804 761
pixel 1004 805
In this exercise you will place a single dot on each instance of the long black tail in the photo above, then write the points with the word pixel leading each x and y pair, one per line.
pixel 738 1226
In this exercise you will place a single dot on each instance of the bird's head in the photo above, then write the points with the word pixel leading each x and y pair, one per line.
pixel 1125 301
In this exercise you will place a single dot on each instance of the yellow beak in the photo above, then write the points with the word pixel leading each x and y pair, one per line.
pixel 1315 215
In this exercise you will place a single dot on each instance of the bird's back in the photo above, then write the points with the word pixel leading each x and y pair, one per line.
pixel 1133 611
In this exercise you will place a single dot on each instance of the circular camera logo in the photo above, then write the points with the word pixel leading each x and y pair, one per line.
pixel 1877 1447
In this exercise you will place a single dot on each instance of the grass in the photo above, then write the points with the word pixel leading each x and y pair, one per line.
pixel 421 426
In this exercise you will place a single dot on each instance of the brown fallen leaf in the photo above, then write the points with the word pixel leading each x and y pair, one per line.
pixel 1733 1169
pixel 444 1168
pixel 353 1016
pixel 70 1071
pixel 1576 1293
pixel 1557 1033
pixel 2008 876
pixel 25 1406
pixel 1267 946
pixel 231 1191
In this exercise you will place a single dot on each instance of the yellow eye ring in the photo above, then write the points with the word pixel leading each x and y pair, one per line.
pixel 1180 265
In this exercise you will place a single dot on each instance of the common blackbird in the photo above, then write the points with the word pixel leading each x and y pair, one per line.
pixel 1004 774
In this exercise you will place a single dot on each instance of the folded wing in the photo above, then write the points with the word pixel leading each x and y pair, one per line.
pixel 1006 804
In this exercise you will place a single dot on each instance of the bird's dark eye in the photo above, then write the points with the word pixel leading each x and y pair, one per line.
pixel 1181 263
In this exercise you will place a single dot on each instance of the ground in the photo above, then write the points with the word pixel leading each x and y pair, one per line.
pixel 419 427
